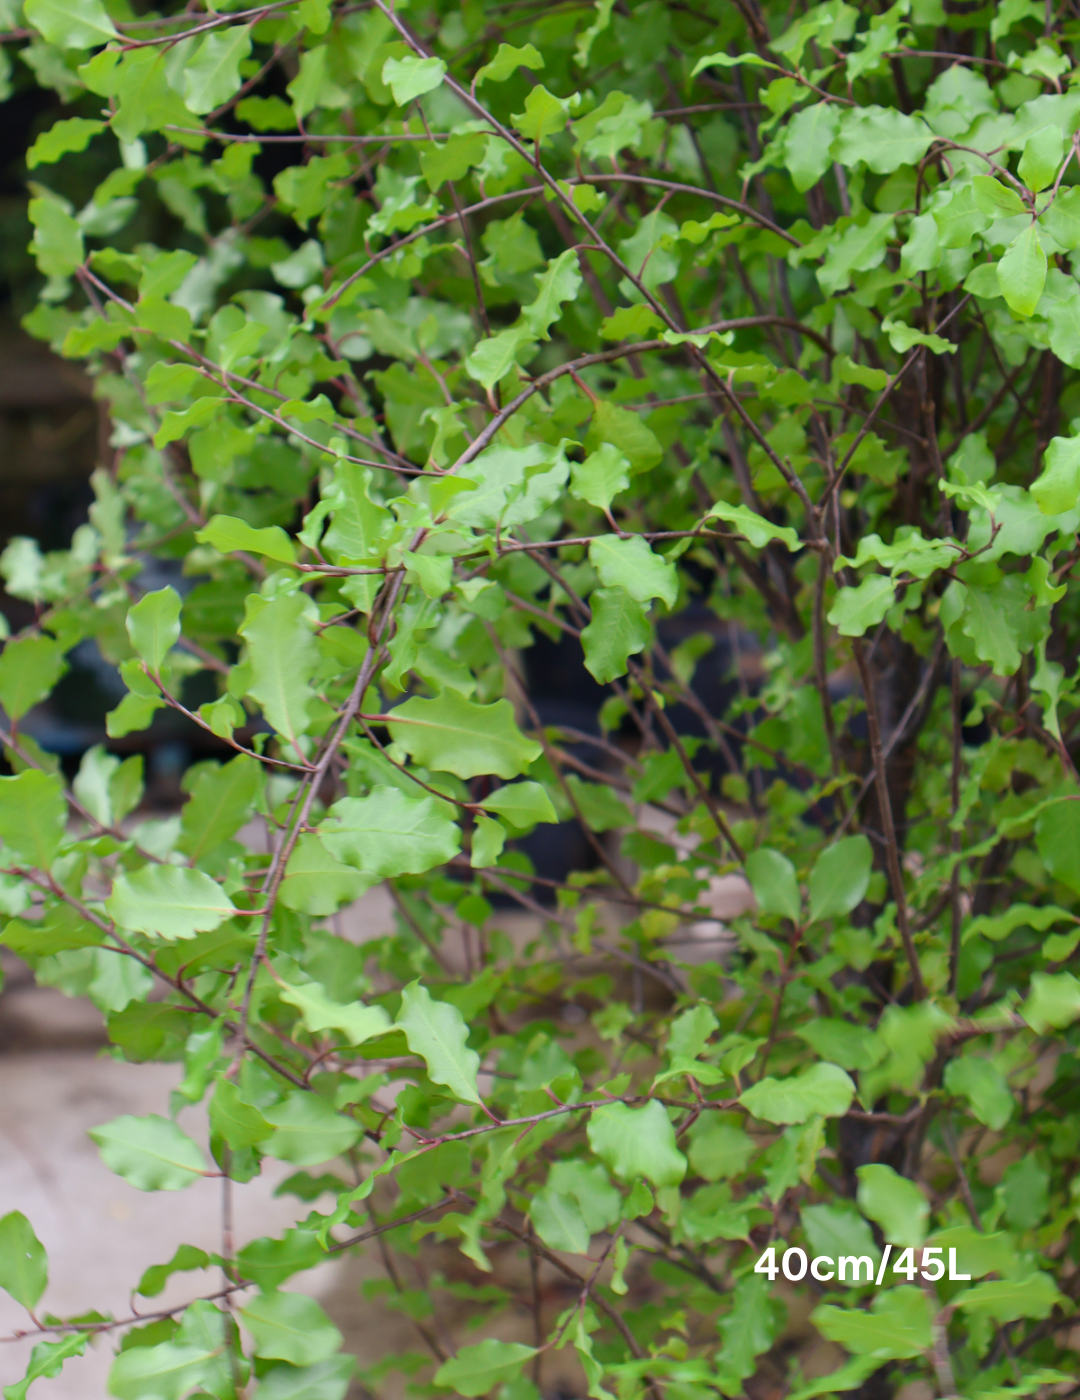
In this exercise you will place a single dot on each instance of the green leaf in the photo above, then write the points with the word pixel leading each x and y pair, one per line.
pixel 410 77
pixel 283 656
pixel 637 1143
pixel 856 610
pixel 544 114
pixel 63 137
pixel 858 249
pixel 489 838
pixel 507 61
pixel 838 1230
pixel 236 1122
pixel 453 159
pixel 996 199
pixel 228 534
pixel 630 564
pixel 1062 219
pixel 600 478
pixel 32 817
pixel 320 1012
pixel 168 901
pixel 853 1047
pixel 513 486
pixel 984 1087
pixel 151 1153
pixel 212 74
pixel 1022 272
pixel 522 805
pixel 326 1380
pixel 558 1220
pixel 436 1031
pixel 896 1327
pixel 894 1203
pixel 456 735
pixel 308 1131
pixel 166 1371
pixel 1004 1300
pixel 775 885
pixel 29 668
pixel 754 527
pixel 476 1370
pixel 822 1089
pixel 840 878
pixel 619 629
pixel 1043 154
pixel 560 283
pixel 186 1258
pixel 881 138
pixel 1053 1003
pixel 318 883
pixel 153 625
pixel 24 1270
pixel 220 803
pixel 1057 487
pixel 46 1361
pixel 58 239
pixel 290 1327
pixel 807 140
pixel 71 24
pixel 389 834
pixel 718 1150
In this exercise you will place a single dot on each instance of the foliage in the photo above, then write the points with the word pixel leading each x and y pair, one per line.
pixel 721 340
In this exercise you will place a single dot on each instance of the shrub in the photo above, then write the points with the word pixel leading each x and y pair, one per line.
pixel 731 347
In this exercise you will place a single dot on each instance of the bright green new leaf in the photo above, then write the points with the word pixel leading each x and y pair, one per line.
pixel 773 880
pixel 853 1047
pixel 166 1371
pixel 389 833
pixel 807 140
pixel 32 817
pixel 544 114
pixel 507 61
pixel 476 1370
pixel 823 1089
pixel 1043 153
pixel 29 668
pixel 996 199
pixel 58 239
pixel 1054 1002
pixel 1022 272
pixel 436 1031
pixel 1057 487
pixel 984 1087
pixel 410 77
pixel 212 75
pixel 897 1325
pixel 521 804
pixel 857 609
pixel 881 138
pixel 894 1203
pixel 71 24
pixel 619 629
pixel 456 735
pixel 840 878
pixel 320 1012
pixel 626 431
pixel 153 625
pixel 754 527
pixel 150 1153
pixel 308 1130
pixel 226 533
pixel 290 1327
pixel 168 901
pixel 632 565
pixel 24 1270
pixel 1004 1300
pixel 239 1124
pixel 637 1143
pixel 46 1361
pixel 63 137
pixel 600 478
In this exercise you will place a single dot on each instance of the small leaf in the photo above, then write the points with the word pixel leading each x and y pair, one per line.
pixel 166 1371
pixel 522 805
pixel 1022 272
pixel 619 629
pixel 897 1325
pixel 24 1270
pixel 894 1203
pixel 507 61
pixel 290 1327
pixel 637 1143
pixel 32 817
pixel 1004 1300
pixel 389 833
pixel 822 1089
pixel 238 1123
pixel 436 1031
pixel 326 1380
pixel 1057 488
pixel 63 137
pixel 283 655
pixel 996 199
pixel 476 1370
pixel 840 878
pixel 320 1012
pixel 168 901
pixel 318 883
pixel 227 534
pixel 212 74
pixel 71 24
pixel 410 77
pixel 29 668
pixel 985 1088
pixel 754 527
pixel 632 565
pixel 1044 151
pixel 151 1153
pixel 775 885
pixel 856 610
pixel 153 625
pixel 1053 1002
pixel 456 735
pixel 308 1131
pixel 600 478
pixel 558 1220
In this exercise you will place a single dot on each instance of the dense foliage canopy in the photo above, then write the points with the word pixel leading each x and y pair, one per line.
pixel 730 346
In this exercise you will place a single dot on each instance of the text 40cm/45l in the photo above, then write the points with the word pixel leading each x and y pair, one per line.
pixel 859 1268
